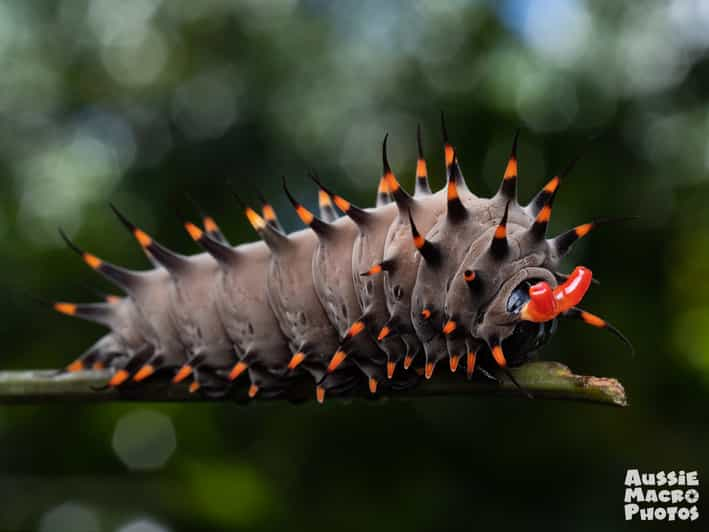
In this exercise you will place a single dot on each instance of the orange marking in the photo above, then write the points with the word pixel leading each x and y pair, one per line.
pixel 119 378
pixel 194 231
pixel 254 219
pixel 210 225
pixel 501 232
pixel 337 359
pixel 583 230
pixel 75 366
pixel 143 373
pixel 470 364
pixel 185 371
pixel 499 356
pixel 374 270
pixel 65 308
pixel 386 331
pixel 391 367
pixel 449 327
pixel 383 186
pixel 552 185
pixel 99 365
pixel 421 170
pixel 511 170
pixel 408 359
pixel 142 237
pixel 469 276
pixel 113 300
pixel 304 214
pixel 342 203
pixel 320 394
pixel 544 215
pixel 453 361
pixel 452 191
pixel 419 241
pixel 237 370
pixel 253 390
pixel 194 386
pixel 429 370
pixel 356 328
pixel 391 182
pixel 323 198
pixel 426 313
pixel 592 319
pixel 268 212
pixel 448 149
pixel 296 360
pixel 373 385
pixel 92 260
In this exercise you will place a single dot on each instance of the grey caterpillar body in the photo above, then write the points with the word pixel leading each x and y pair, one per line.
pixel 378 296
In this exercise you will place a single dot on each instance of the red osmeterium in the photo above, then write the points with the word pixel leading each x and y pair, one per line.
pixel 546 303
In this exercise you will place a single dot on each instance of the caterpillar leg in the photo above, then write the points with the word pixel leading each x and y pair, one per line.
pixel 457 349
pixel 412 352
pixel 98 356
pixel 188 368
pixel 499 356
pixel 413 348
pixel 207 382
pixel 355 338
pixel 243 363
pixel 358 342
pixel 435 351
pixel 472 347
pixel 375 374
pixel 338 383
pixel 265 384
pixel 152 366
pixel 239 368
pixel 396 329
pixel 342 381
pixel 129 367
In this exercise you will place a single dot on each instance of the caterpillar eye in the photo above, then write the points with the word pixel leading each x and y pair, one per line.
pixel 527 336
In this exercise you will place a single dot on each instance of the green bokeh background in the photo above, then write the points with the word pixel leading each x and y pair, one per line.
pixel 139 101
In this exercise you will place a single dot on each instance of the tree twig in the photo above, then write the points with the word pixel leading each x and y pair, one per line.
pixel 545 380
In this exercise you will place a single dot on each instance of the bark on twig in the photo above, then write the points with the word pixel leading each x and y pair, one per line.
pixel 544 380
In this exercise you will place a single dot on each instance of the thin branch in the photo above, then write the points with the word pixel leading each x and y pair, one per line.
pixel 545 380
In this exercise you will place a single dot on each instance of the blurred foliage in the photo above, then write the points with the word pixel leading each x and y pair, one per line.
pixel 139 101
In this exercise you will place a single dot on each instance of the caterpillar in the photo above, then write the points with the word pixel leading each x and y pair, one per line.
pixel 374 298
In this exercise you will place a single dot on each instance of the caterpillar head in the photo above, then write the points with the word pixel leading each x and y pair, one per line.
pixel 498 319
pixel 505 292
pixel 490 287
pixel 522 316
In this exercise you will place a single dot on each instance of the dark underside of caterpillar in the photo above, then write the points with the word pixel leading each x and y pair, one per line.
pixel 375 299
